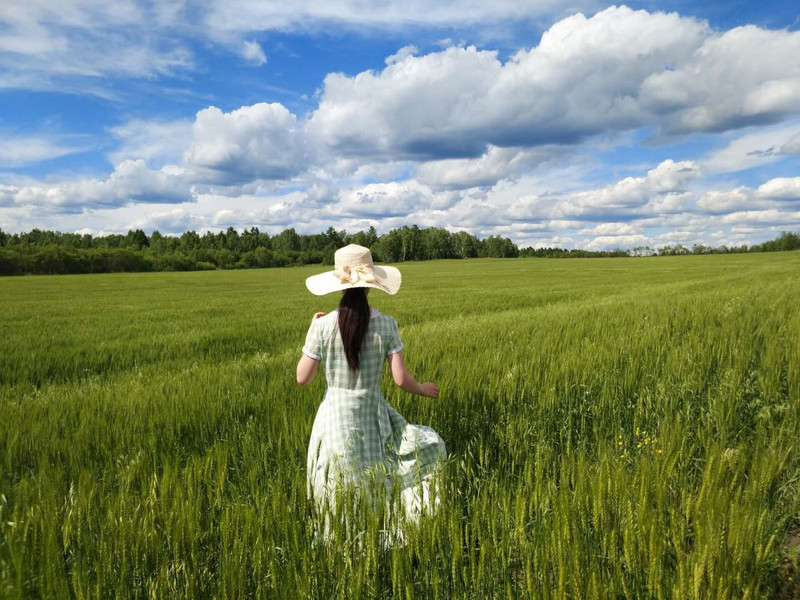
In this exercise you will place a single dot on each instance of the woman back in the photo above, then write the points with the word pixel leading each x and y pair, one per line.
pixel 325 343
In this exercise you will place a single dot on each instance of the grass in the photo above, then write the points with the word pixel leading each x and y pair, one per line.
pixel 616 428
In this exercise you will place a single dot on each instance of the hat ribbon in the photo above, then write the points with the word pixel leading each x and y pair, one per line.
pixel 354 273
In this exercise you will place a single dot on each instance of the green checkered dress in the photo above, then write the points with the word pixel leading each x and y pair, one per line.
pixel 356 433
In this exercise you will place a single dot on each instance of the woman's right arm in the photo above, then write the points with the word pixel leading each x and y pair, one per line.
pixel 306 370
pixel 309 361
pixel 405 381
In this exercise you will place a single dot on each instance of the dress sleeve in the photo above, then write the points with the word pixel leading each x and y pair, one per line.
pixel 313 345
pixel 395 343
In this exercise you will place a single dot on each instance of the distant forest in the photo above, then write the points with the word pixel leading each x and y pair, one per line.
pixel 49 252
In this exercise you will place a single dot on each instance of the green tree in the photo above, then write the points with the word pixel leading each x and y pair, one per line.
pixel 137 239
pixel 249 240
pixel 412 242
pixel 367 239
pixel 437 243
pixel 232 240
pixel 189 241
pixel 464 245
pixel 157 241
pixel 286 241
pixel 499 247
pixel 336 239
pixel 389 247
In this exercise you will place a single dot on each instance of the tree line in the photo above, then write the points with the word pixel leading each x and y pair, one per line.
pixel 52 252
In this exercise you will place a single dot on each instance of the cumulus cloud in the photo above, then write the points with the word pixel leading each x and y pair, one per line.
pixel 747 75
pixel 157 142
pixel 252 142
pixel 131 181
pixel 613 242
pixel 494 165
pixel 764 217
pixel 617 70
pixel 235 150
pixel 774 194
pixel 404 52
pixel 393 204
pixel 781 188
pixel 176 220
pixel 405 110
pixel 610 229
pixel 661 190
pixel 379 200
pixel 722 202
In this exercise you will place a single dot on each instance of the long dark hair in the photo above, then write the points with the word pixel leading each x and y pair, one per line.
pixel 353 322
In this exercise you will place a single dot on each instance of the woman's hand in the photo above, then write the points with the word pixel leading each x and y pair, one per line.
pixel 405 381
pixel 317 315
pixel 430 389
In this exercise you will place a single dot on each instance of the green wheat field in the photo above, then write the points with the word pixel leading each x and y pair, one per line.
pixel 617 428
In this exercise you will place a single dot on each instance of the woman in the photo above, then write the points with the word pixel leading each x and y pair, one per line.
pixel 356 434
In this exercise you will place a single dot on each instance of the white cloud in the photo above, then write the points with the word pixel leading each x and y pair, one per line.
pixel 610 229
pixel 45 44
pixel 747 75
pixel 378 200
pixel 387 205
pixel 613 242
pixel 769 217
pixel 261 141
pixel 156 142
pixel 659 191
pixel 404 52
pixel 673 237
pixel 769 195
pixel 176 220
pixel 20 150
pixel 227 18
pixel 564 224
pixel 495 164
pixel 781 188
pixel 618 70
pixel 253 53
pixel 131 181
pixel 404 110
pixel 77 45
pixel 756 148
pixel 723 202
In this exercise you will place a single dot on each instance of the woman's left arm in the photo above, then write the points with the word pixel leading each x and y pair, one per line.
pixel 307 367
pixel 306 370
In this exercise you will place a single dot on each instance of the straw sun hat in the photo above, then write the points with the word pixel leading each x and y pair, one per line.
pixel 354 268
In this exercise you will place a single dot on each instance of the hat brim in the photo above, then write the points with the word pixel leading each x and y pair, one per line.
pixel 387 279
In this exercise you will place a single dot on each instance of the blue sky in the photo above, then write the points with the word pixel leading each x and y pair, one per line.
pixel 578 124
